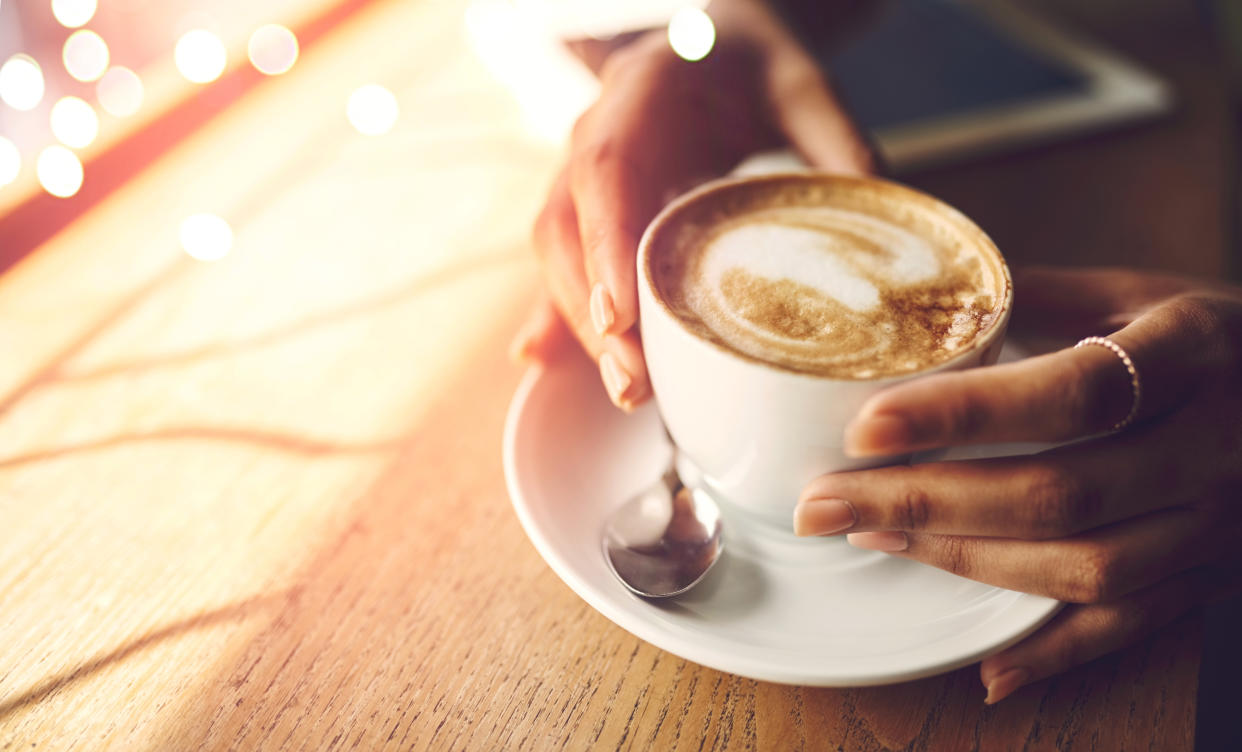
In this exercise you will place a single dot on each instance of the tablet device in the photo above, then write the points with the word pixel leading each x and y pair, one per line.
pixel 941 80
pixel 932 81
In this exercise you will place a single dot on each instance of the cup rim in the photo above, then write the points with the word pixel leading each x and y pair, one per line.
pixel 674 207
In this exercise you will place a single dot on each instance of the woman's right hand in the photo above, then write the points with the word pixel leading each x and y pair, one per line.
pixel 660 126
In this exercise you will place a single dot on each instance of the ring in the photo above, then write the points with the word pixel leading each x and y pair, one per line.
pixel 1136 386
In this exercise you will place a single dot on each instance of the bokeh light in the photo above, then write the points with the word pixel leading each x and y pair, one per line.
pixel 73 13
pixel 200 56
pixel 10 161
pixel 85 55
pixel 206 237
pixel 273 49
pixel 74 122
pixel 120 92
pixel 372 109
pixel 691 34
pixel 21 82
pixel 60 172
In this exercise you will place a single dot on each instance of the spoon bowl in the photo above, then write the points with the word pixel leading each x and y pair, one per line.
pixel 665 539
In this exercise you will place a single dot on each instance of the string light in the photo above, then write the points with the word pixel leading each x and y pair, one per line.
pixel 85 55
pixel 200 56
pixel 10 161
pixel 273 49
pixel 206 237
pixel 21 83
pixel 73 13
pixel 372 109
pixel 691 34
pixel 74 122
pixel 120 92
pixel 59 171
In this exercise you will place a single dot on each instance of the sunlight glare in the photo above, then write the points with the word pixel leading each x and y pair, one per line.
pixel 10 161
pixel 74 122
pixel 552 86
pixel 206 237
pixel 120 92
pixel 59 171
pixel 200 56
pixel 85 55
pixel 73 13
pixel 21 83
pixel 273 49
pixel 372 109
pixel 691 34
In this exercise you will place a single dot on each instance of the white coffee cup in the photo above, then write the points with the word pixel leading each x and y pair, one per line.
pixel 752 434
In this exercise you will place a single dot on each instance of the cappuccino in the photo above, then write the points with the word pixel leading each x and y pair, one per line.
pixel 834 277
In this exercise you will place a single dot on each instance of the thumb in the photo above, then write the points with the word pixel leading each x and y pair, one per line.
pixel 1077 302
pixel 817 124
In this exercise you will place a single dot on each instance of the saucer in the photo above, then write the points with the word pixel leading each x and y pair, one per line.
pixel 776 607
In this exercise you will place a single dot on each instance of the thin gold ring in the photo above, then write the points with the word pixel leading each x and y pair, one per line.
pixel 1136 386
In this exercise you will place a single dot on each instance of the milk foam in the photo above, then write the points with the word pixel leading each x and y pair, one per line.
pixel 822 286
pixel 781 252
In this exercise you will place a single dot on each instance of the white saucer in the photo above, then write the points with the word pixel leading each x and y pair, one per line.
pixel 776 607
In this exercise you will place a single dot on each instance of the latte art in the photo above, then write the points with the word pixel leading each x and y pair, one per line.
pixel 855 284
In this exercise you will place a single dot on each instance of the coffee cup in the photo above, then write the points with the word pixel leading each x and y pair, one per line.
pixel 772 307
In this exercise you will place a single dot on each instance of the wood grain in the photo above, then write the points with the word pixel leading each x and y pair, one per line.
pixel 258 504
pixel 410 628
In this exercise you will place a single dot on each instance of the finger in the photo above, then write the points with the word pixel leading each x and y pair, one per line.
pixel 1052 494
pixel 1082 302
pixel 543 336
pixel 614 202
pixel 622 357
pixel 813 118
pixel 1063 395
pixel 622 368
pixel 556 241
pixel 1096 566
pixel 1082 633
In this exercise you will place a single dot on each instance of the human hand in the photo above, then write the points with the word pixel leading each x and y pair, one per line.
pixel 661 125
pixel 1134 527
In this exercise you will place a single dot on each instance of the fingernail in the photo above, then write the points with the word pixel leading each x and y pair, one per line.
pixel 616 380
pixel 1006 684
pixel 889 540
pixel 603 315
pixel 878 434
pixel 823 517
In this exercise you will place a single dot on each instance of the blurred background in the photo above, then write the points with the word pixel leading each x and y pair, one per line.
pixel 260 259
pixel 91 91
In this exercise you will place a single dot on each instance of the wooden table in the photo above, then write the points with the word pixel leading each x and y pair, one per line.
pixel 258 503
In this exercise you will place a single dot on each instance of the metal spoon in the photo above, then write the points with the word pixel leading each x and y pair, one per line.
pixel 665 539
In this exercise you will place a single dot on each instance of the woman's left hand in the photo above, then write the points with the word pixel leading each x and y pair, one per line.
pixel 1135 526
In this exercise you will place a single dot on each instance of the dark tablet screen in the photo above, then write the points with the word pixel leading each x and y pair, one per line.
pixel 927 59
